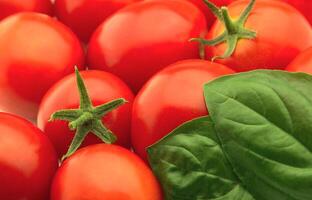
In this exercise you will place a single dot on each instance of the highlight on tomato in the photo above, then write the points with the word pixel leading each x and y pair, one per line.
pixel 170 98
pixel 84 16
pixel 101 105
pixel 27 160
pixel 253 34
pixel 9 7
pixel 36 51
pixel 144 37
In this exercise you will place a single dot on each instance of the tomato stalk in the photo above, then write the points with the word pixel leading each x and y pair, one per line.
pixel 87 118
pixel 234 30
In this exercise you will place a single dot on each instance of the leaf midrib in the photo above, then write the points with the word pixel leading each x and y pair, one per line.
pixel 263 117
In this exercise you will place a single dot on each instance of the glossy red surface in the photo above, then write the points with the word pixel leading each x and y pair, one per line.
pixel 84 16
pixel 282 33
pixel 302 63
pixel 9 7
pixel 170 98
pixel 27 160
pixel 304 6
pixel 145 37
pixel 36 51
pixel 102 88
pixel 105 172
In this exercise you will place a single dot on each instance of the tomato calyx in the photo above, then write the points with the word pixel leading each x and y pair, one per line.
pixel 234 30
pixel 87 118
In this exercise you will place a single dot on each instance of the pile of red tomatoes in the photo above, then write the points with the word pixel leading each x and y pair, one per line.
pixel 141 51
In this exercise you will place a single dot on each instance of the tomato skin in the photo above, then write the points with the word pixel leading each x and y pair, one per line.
pixel 27 160
pixel 102 88
pixel 84 16
pixel 302 63
pixel 170 98
pixel 104 171
pixel 210 18
pixel 36 51
pixel 9 7
pixel 128 46
pixel 275 46
pixel 304 6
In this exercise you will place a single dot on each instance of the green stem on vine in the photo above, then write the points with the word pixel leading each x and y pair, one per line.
pixel 234 30
pixel 87 119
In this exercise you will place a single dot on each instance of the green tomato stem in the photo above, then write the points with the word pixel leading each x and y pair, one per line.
pixel 234 30
pixel 87 118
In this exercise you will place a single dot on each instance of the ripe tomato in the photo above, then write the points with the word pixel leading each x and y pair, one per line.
pixel 302 63
pixel 9 7
pixel 144 37
pixel 36 51
pixel 84 16
pixel 170 98
pixel 102 88
pixel 104 171
pixel 304 6
pixel 27 160
pixel 281 33
pixel 204 8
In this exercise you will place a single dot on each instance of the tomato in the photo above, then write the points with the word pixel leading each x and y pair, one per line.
pixel 9 7
pixel 107 172
pixel 36 51
pixel 270 37
pixel 102 88
pixel 84 16
pixel 302 63
pixel 27 160
pixel 144 37
pixel 204 8
pixel 170 98
pixel 304 6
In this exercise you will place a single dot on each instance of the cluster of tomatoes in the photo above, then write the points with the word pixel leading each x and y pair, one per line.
pixel 142 65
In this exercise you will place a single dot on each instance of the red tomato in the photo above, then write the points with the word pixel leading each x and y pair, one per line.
pixel 102 88
pixel 107 172
pixel 27 160
pixel 9 7
pixel 204 8
pixel 282 33
pixel 304 6
pixel 84 16
pixel 36 51
pixel 144 37
pixel 172 97
pixel 302 63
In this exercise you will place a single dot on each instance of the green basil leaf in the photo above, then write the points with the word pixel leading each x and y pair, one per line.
pixel 263 120
pixel 190 165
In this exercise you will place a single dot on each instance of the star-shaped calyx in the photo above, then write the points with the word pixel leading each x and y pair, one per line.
pixel 87 118
pixel 234 30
